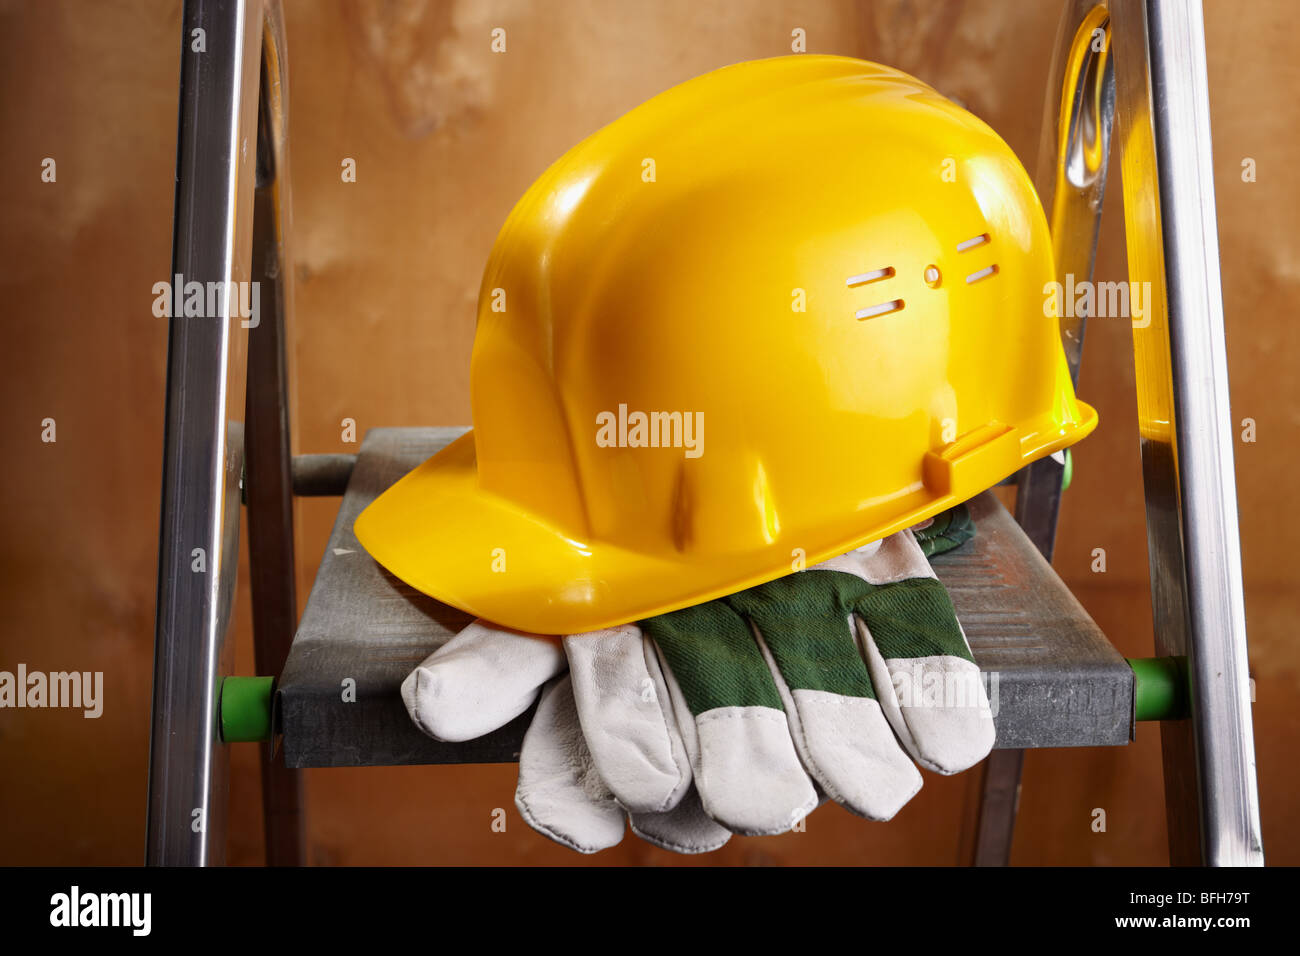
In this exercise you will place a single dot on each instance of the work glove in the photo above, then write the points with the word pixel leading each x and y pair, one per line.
pixel 738 715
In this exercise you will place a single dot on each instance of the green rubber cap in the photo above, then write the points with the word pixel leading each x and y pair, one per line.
pixel 1160 690
pixel 1067 475
pixel 246 709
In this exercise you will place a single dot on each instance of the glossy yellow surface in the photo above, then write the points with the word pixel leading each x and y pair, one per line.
pixel 709 254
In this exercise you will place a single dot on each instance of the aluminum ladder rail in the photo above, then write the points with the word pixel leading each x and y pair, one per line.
pixel 1156 81
pixel 227 420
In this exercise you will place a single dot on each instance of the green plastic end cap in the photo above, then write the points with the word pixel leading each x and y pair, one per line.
pixel 1160 689
pixel 1067 474
pixel 246 709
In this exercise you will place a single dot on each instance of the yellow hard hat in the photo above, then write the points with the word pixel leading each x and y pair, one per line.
pixel 776 313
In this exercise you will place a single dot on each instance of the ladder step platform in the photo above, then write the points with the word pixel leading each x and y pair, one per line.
pixel 1053 678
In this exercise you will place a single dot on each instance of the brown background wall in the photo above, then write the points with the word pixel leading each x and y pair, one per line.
pixel 446 136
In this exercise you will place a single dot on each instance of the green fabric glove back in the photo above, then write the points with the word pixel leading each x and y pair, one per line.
pixel 844 659
pixel 949 530
pixel 805 621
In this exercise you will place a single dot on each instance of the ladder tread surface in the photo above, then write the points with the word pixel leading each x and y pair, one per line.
pixel 1053 678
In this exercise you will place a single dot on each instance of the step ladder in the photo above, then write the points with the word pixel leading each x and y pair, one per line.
pixel 1058 681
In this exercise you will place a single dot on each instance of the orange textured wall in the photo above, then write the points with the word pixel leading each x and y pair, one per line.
pixel 446 135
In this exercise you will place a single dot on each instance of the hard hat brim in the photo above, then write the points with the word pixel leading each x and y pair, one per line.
pixel 443 534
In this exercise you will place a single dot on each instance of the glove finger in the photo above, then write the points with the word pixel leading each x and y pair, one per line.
pixel 839 730
pixel 925 676
pixel 560 794
pixel 480 680
pixel 731 720
pixel 626 717
pixel 686 828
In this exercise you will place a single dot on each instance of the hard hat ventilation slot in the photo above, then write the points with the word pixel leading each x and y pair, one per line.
pixel 972 242
pixel 866 277
pixel 982 274
pixel 883 308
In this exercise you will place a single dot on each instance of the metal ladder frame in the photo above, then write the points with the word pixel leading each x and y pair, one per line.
pixel 227 429
pixel 1156 81
pixel 232 224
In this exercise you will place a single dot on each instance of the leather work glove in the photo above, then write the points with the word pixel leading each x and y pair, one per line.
pixel 738 715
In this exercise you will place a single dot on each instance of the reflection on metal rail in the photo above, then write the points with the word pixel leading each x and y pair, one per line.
pixel 227 46
pixel 1155 88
